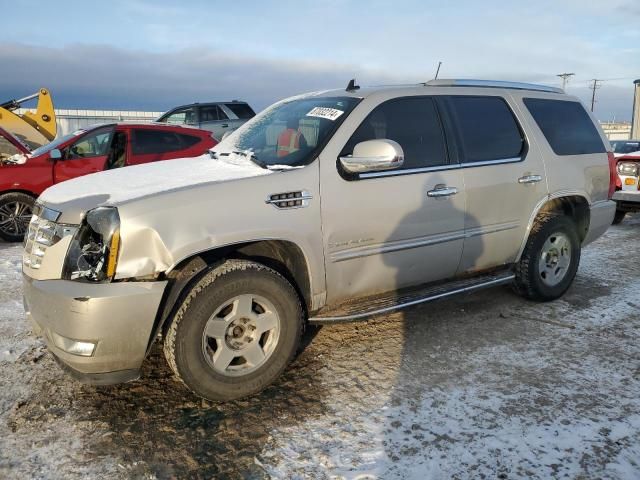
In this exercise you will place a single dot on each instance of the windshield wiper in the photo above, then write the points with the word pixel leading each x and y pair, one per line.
pixel 251 156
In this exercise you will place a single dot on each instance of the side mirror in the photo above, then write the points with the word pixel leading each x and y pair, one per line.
pixel 55 154
pixel 374 156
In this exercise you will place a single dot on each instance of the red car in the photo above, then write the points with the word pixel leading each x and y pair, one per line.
pixel 25 174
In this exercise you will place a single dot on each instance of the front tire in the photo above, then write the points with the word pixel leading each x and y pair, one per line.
pixel 550 259
pixel 16 209
pixel 236 331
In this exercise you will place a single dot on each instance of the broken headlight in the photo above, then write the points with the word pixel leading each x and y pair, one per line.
pixel 93 253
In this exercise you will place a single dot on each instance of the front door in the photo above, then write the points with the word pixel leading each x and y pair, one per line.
pixel 88 154
pixel 504 178
pixel 387 230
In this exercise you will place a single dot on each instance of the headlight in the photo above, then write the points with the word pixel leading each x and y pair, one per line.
pixel 627 168
pixel 93 253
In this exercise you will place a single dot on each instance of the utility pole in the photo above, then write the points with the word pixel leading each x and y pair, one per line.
pixel 565 78
pixel 438 70
pixel 596 83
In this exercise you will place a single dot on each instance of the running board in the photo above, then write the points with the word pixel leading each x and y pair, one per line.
pixel 375 305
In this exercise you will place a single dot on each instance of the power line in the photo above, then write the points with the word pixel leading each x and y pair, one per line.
pixel 565 78
pixel 596 83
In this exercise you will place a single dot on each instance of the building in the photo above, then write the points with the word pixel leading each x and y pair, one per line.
pixel 71 120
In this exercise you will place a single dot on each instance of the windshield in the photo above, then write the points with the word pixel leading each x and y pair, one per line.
pixel 289 133
pixel 625 146
pixel 56 143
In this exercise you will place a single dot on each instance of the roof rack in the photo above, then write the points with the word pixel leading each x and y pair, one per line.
pixel 492 84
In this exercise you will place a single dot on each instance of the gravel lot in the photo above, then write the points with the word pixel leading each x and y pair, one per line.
pixel 486 386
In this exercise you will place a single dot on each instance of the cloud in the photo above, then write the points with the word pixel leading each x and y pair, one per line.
pixel 107 77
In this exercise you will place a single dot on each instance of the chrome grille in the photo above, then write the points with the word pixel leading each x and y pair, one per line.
pixel 290 199
pixel 43 233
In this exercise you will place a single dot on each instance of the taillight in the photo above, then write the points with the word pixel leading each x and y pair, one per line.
pixel 613 174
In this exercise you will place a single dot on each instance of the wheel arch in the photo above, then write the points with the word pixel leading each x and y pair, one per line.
pixel 284 256
pixel 573 205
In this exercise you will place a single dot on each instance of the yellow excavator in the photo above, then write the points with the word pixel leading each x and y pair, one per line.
pixel 32 129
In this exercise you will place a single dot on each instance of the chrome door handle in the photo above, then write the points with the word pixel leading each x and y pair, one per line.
pixel 442 191
pixel 530 179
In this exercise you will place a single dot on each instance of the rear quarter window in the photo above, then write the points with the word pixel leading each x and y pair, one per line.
pixel 566 125
pixel 241 110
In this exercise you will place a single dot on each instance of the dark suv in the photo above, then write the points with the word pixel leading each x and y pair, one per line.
pixel 217 117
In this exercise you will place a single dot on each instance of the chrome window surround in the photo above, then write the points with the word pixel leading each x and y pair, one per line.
pixel 439 168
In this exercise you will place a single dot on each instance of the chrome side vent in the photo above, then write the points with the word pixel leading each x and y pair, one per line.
pixel 285 200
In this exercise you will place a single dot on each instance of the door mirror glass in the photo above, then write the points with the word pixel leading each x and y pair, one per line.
pixel 374 156
pixel 55 154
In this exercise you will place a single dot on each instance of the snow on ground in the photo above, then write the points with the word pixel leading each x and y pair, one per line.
pixel 486 386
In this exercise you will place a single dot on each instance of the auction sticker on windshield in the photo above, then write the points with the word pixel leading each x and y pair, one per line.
pixel 325 112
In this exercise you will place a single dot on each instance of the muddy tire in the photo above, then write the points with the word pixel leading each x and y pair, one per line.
pixel 236 331
pixel 550 259
pixel 15 214
pixel 618 217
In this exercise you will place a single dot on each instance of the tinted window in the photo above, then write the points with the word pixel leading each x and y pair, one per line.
pixel 188 140
pixel 241 110
pixel 486 127
pixel 7 149
pixel 155 141
pixel 94 144
pixel 211 113
pixel 566 126
pixel 625 146
pixel 413 123
pixel 183 116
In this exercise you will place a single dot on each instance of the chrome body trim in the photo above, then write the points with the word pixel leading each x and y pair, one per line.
pixel 301 196
pixel 377 249
pixel 46 213
pixel 430 298
pixel 439 168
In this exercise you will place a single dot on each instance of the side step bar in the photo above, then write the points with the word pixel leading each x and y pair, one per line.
pixel 389 302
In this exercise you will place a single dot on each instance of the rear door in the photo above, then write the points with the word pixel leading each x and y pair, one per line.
pixel 88 154
pixel 238 112
pixel 152 145
pixel 504 177
pixel 387 230
pixel 214 119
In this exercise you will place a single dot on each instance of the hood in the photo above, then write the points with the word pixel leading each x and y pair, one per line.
pixel 114 187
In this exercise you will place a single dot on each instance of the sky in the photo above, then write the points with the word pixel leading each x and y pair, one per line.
pixel 153 55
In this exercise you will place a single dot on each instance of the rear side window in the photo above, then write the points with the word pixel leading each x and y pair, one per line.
pixel 566 126
pixel 486 127
pixel 211 113
pixel 414 123
pixel 188 140
pixel 155 141
pixel 241 110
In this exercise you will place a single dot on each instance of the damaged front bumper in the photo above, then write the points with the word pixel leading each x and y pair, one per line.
pixel 99 332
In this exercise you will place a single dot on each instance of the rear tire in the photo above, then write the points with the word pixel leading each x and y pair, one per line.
pixel 618 217
pixel 16 209
pixel 550 259
pixel 236 331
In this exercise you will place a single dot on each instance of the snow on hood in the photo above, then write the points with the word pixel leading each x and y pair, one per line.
pixel 124 184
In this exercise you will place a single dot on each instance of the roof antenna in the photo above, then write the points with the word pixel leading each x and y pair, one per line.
pixel 352 87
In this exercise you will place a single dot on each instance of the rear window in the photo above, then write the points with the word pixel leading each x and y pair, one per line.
pixel 155 141
pixel 625 146
pixel 487 128
pixel 188 140
pixel 566 126
pixel 241 110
